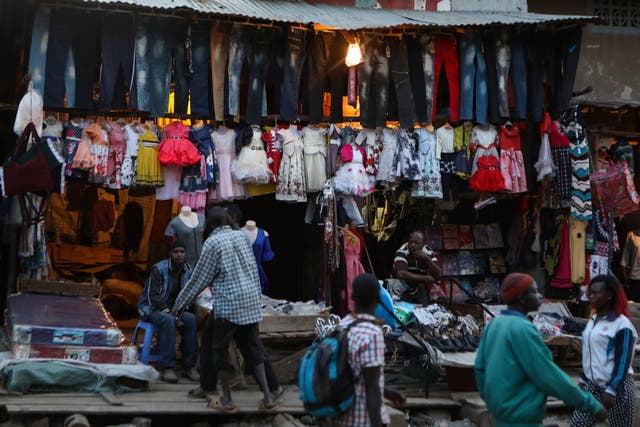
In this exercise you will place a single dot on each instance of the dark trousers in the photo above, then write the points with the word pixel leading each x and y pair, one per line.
pixel 156 42
pixel 166 324
pixel 473 77
pixel 79 31
pixel 446 56
pixel 192 76
pixel 295 56
pixel 326 60
pixel 569 55
pixel 519 60
pixel 489 43
pixel 275 71
pixel 208 372
pixel 118 41
pixel 543 53
pixel 256 100
pixel 373 75
pixel 399 72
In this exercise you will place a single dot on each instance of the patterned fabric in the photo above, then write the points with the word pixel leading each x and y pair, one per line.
pixel 386 171
pixel 430 184
pixel 621 415
pixel 580 188
pixel 562 179
pixel 366 350
pixel 228 265
pixel 292 185
pixel 406 163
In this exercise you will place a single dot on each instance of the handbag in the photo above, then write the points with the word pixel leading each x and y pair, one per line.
pixel 615 189
pixel 27 171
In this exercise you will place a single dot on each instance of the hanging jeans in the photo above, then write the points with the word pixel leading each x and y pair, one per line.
pixel 326 60
pixel 38 52
pixel 399 70
pixel 569 54
pixel 503 65
pixel 275 71
pixel 256 95
pixel 489 42
pixel 519 58
pixel 446 55
pixel 76 32
pixel 219 45
pixel 544 54
pixel 118 41
pixel 192 75
pixel 295 56
pixel 373 75
pixel 156 41
pixel 473 74
pixel 427 51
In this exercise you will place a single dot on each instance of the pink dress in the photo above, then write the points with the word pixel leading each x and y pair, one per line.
pixel 117 148
pixel 176 148
pixel 224 141
pixel 353 267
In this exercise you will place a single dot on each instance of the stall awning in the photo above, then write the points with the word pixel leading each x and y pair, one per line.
pixel 347 18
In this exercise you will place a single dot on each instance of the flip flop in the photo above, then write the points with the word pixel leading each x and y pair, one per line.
pixel 269 407
pixel 277 394
pixel 218 403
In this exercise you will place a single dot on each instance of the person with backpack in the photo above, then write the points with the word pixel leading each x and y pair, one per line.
pixel 366 358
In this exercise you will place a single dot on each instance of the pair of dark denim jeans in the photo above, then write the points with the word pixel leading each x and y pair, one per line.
pixel 76 32
pixel 327 53
pixel 192 76
pixel 166 324
pixel 295 56
pixel 385 62
pixel 252 44
pixel 156 42
pixel 118 41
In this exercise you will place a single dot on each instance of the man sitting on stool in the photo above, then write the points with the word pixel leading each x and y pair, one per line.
pixel 161 288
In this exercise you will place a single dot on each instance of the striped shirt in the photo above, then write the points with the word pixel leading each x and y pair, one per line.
pixel 366 350
pixel 413 265
pixel 228 265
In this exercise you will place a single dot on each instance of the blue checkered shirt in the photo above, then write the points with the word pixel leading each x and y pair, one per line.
pixel 228 265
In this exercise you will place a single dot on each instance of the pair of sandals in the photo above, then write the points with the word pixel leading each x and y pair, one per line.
pixel 215 401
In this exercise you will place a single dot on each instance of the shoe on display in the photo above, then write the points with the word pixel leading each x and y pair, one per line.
pixel 169 376
pixel 192 374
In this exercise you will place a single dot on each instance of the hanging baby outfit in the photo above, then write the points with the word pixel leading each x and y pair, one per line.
pixel 251 165
pixel 224 140
pixel 335 142
pixel 291 184
pixel 149 171
pixel 52 132
pixel 485 172
pixel 511 161
pixel 132 134
pixel 274 152
pixel 315 157
pixel 406 164
pixel 176 148
pixel 561 152
pixel 352 179
pixel 386 172
pixel 372 139
pixel 201 138
pixel 83 159
pixel 73 136
pixel 430 183
pixel 117 148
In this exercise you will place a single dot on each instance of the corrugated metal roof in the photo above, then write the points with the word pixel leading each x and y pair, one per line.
pixel 347 18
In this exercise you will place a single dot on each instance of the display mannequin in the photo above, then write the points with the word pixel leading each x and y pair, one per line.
pixel 261 249
pixel 188 227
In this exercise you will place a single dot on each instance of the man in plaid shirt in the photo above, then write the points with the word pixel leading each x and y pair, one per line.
pixel 366 359
pixel 228 266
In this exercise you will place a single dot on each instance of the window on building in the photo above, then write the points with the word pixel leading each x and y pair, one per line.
pixel 617 13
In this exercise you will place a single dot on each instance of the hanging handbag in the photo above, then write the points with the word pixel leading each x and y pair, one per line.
pixel 615 190
pixel 27 171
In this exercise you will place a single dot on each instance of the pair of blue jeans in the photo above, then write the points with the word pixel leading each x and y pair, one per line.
pixel 421 50
pixel 166 325
pixel 156 41
pixel 473 75
pixel 75 33
pixel 253 45
pixel 219 45
pixel 192 76
pixel 118 69
pixel 373 75
pixel 519 65
pixel 295 57
pixel 326 60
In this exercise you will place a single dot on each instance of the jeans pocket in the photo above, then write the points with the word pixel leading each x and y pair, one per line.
pixel 400 78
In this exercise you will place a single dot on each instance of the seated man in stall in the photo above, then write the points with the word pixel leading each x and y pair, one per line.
pixel 415 265
pixel 161 288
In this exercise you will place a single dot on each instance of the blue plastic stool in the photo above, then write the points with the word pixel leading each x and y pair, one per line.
pixel 149 353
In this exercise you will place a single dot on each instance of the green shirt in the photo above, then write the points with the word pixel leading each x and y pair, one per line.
pixel 515 373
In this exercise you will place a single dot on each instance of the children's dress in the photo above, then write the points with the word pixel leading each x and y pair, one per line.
pixel 511 161
pixel 224 140
pixel 315 157
pixel 117 148
pixel 352 179
pixel 149 171
pixel 132 134
pixel 251 165
pixel 485 172
pixel 291 184
pixel 406 162
pixel 386 174
pixel 176 148
pixel 430 184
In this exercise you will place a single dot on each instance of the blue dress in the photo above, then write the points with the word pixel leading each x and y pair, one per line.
pixel 262 251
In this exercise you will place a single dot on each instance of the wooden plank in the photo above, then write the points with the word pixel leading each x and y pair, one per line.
pixel 62 287
pixel 289 323
pixel 111 398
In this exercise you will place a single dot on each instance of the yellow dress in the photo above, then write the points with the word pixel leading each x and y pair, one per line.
pixel 148 170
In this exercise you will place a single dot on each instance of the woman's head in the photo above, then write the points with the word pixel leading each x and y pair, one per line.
pixel 605 292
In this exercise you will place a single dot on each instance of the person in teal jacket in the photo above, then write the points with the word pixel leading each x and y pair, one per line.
pixel 514 369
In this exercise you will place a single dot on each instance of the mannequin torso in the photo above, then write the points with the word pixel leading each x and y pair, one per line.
pixel 251 229
pixel 188 217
